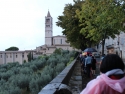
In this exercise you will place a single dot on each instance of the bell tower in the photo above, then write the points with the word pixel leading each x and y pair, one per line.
pixel 48 29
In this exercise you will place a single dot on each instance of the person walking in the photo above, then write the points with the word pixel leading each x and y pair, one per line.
pixel 93 65
pixel 83 61
pixel 88 62
pixel 112 77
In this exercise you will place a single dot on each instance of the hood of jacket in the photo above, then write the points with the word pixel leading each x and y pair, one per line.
pixel 118 85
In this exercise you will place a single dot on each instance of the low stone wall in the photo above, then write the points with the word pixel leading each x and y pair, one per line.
pixel 59 85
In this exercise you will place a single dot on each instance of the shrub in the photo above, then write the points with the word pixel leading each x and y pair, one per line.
pixel 5 76
pixel 60 67
pixel 34 87
pixel 33 67
pixel 3 70
pixel 23 81
pixel 15 90
pixel 32 75
pixel 57 51
pixel 26 70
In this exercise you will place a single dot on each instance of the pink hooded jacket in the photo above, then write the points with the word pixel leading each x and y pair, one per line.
pixel 105 85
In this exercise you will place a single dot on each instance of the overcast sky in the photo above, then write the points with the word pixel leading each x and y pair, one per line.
pixel 22 22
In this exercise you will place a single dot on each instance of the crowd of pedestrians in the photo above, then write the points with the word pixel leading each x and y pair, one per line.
pixel 112 77
pixel 88 64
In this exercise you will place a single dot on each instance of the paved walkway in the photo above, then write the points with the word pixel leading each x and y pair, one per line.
pixel 78 81
pixel 75 82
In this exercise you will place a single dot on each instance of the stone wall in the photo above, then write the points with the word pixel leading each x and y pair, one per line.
pixel 60 83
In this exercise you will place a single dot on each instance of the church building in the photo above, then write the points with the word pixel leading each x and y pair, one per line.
pixel 51 43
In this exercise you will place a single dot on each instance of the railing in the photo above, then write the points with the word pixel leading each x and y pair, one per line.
pixel 59 85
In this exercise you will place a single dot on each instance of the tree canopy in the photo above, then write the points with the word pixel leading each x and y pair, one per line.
pixel 13 48
pixel 70 24
pixel 101 19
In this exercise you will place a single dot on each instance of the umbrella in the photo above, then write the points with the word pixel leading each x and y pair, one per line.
pixel 89 50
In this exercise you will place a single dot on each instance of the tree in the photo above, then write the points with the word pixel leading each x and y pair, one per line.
pixel 70 24
pixel 101 19
pixel 57 51
pixel 12 49
pixel 23 81
pixel 24 61
pixel 30 56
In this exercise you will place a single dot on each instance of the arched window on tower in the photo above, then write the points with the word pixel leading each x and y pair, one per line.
pixel 47 20
pixel 47 25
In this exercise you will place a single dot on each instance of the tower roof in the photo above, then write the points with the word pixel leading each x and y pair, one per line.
pixel 48 14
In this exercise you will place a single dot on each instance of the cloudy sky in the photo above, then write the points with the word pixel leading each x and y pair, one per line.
pixel 22 22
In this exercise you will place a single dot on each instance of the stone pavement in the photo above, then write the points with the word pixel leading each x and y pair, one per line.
pixel 86 79
pixel 75 82
pixel 78 81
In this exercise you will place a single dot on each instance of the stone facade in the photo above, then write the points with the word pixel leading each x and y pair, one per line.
pixel 116 45
pixel 14 56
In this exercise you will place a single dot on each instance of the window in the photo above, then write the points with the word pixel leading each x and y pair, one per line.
pixel 47 25
pixel 16 55
pixel 23 55
pixel 1 56
pixel 6 56
pixel 10 55
pixel 47 20
pixel 61 41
